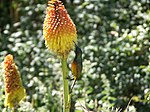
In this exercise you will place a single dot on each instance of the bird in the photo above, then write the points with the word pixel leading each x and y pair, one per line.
pixel 76 65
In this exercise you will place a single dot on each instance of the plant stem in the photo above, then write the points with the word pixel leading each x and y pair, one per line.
pixel 66 96
pixel 14 109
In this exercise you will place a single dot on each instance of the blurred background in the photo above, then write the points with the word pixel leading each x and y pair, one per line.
pixel 114 36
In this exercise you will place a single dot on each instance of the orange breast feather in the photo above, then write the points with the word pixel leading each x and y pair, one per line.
pixel 74 69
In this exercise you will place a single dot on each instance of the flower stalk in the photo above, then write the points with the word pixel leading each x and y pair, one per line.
pixel 60 33
pixel 66 95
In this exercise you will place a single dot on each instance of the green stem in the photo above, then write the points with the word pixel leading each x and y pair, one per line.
pixel 14 109
pixel 66 96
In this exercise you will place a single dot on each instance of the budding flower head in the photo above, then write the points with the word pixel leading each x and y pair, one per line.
pixel 14 91
pixel 59 30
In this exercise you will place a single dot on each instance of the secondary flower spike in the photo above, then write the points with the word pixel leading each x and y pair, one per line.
pixel 59 30
pixel 14 91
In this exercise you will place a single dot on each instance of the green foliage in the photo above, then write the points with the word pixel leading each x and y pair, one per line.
pixel 115 38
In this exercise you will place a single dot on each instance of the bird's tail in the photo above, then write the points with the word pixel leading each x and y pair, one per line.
pixel 72 86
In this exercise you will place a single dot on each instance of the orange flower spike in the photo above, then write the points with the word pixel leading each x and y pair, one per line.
pixel 14 91
pixel 59 30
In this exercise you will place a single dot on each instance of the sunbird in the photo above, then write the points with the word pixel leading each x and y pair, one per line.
pixel 76 66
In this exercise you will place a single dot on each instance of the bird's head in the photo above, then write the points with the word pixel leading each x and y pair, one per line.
pixel 78 51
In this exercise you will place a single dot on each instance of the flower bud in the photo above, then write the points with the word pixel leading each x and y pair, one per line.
pixel 14 91
pixel 59 30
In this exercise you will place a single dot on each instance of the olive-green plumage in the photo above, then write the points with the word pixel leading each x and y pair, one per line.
pixel 76 66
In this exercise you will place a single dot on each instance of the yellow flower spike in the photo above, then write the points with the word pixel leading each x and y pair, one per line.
pixel 14 91
pixel 58 29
